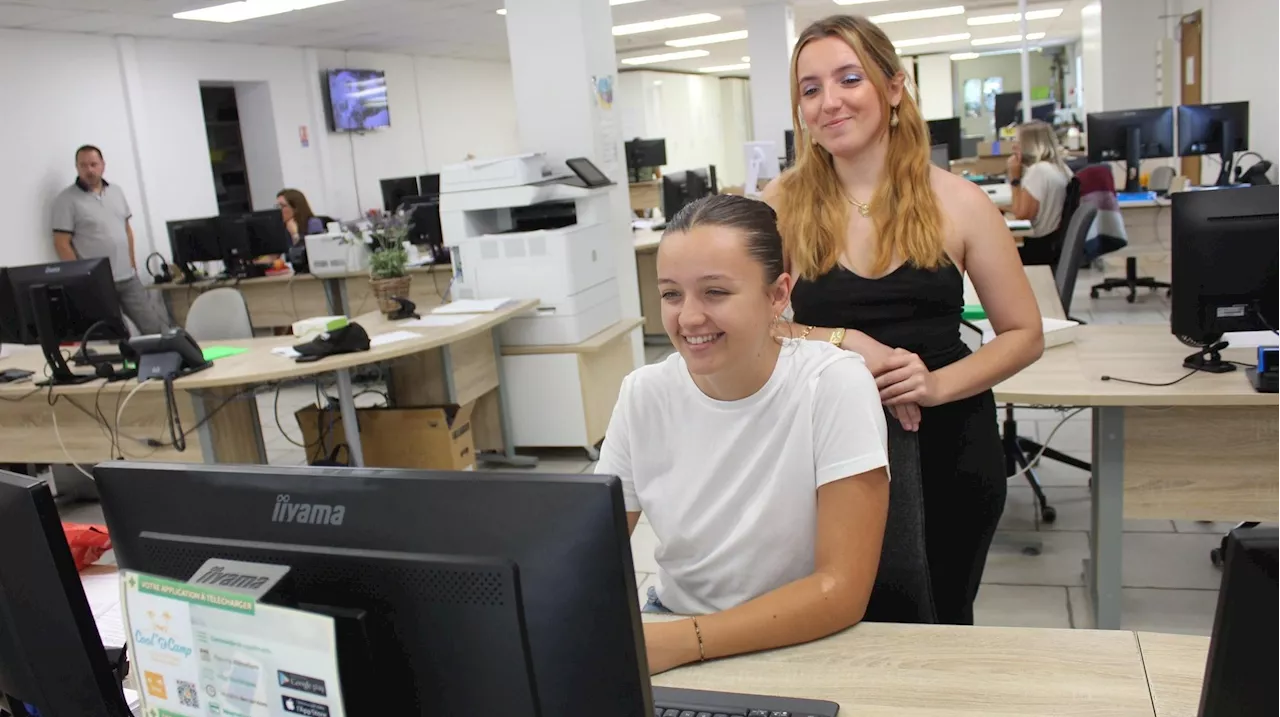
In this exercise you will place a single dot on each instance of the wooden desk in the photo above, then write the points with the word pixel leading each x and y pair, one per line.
pixel 444 365
pixel 1175 667
pixel 935 670
pixel 276 301
pixel 646 195
pixel 1203 449
pixel 646 243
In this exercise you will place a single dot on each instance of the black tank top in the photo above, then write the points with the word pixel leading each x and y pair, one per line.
pixel 910 308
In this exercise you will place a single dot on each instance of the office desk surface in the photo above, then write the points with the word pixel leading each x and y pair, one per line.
pixel 1175 667
pixel 259 365
pixel 936 670
pixel 1071 375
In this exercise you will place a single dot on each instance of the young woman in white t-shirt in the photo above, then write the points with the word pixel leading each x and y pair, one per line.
pixel 1038 178
pixel 760 463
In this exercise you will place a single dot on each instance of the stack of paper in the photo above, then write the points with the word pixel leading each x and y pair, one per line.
pixel 102 588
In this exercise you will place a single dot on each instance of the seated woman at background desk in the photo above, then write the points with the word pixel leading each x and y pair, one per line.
pixel 298 218
pixel 760 462
pixel 1038 178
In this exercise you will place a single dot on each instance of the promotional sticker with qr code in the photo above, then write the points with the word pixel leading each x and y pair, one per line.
pixel 202 651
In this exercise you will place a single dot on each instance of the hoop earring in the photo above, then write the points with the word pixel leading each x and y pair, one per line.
pixel 893 117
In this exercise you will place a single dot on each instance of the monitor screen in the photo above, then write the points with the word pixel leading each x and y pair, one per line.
pixel 358 100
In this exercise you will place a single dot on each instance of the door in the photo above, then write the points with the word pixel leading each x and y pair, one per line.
pixel 1192 76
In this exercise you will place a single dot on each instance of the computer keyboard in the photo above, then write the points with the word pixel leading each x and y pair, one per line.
pixel 675 702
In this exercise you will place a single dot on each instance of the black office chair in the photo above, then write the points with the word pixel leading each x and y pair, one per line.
pixel 902 592
pixel 1018 448
pixel 1045 250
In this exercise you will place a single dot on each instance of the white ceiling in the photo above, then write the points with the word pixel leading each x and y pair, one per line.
pixel 471 29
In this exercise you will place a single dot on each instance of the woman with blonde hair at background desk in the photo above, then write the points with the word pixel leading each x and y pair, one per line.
pixel 879 240
pixel 760 462
pixel 1038 179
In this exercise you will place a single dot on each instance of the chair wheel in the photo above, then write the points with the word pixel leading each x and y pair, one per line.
pixel 1131 298
pixel 1215 557
pixel 1093 294
pixel 1048 514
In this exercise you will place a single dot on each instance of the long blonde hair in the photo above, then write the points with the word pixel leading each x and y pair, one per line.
pixel 813 211
pixel 1038 143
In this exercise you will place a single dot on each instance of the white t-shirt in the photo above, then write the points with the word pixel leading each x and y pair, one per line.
pixel 1047 182
pixel 730 487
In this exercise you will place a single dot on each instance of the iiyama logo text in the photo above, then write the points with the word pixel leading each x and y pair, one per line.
pixel 286 511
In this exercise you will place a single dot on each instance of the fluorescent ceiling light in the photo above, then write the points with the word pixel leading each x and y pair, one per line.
pixel 664 57
pixel 503 11
pixel 917 14
pixel 665 24
pixel 857 2
pixel 708 39
pixel 248 10
pixel 1006 38
pixel 1014 17
pixel 965 56
pixel 937 39
pixel 726 68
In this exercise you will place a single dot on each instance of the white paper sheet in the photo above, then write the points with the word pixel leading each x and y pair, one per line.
pixel 431 321
pixel 102 589
pixel 471 306
pixel 1251 339
pixel 285 351
pixel 391 337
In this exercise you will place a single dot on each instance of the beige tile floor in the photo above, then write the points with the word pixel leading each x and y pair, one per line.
pixel 1169 583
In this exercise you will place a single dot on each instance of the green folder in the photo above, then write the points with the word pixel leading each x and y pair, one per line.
pixel 973 312
pixel 213 353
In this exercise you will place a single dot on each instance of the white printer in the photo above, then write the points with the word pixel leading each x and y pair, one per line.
pixel 335 254
pixel 568 265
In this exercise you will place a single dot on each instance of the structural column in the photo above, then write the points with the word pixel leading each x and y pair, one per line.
pixel 771 33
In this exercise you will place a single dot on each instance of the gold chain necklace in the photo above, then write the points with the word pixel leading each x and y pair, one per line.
pixel 863 209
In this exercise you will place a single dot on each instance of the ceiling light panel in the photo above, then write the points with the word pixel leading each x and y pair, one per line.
pixel 726 68
pixel 708 39
pixel 665 23
pixel 664 57
pixel 1048 14
pixel 936 40
pixel 248 10
pixel 917 14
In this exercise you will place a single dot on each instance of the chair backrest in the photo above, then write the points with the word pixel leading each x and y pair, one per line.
pixel 902 591
pixel 1161 178
pixel 219 314
pixel 1068 267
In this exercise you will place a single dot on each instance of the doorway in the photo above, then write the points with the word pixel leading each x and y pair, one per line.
pixel 1192 79
pixel 226 149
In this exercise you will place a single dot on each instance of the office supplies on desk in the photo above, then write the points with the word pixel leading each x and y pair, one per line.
pixel 213 353
pixel 316 325
pixel 1264 376
pixel 1125 197
pixel 391 337
pixel 54 658
pixel 432 605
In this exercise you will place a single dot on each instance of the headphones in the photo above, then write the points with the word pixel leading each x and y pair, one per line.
pixel 164 277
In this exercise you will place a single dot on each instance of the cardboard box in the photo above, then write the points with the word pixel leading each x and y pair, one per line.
pixel 433 437
pixel 995 149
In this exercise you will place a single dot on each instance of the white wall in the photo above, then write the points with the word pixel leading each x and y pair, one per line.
pixel 703 118
pixel 1091 56
pixel 933 81
pixel 139 99
pixel 77 97
pixel 1241 56
pixel 1131 34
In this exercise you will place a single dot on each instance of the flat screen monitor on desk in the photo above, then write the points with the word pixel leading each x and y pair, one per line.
pixel 193 240
pixel 396 190
pixel 1130 136
pixel 1045 112
pixel 51 657
pixel 680 189
pixel 709 181
pixel 429 185
pixel 65 302
pixel 424 220
pixel 1224 268
pixel 267 233
pixel 1221 129
pixel 646 153
pixel 946 132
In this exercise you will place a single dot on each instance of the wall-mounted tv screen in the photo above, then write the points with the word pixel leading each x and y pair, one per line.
pixel 357 100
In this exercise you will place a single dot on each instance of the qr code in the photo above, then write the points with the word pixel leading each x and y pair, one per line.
pixel 187 695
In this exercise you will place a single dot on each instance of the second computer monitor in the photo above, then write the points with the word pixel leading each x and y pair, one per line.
pixel 642 153
pixel 192 240
pixel 946 131
pixel 1221 129
pixel 1130 136
pixel 396 190
pixel 267 233
pixel 1224 253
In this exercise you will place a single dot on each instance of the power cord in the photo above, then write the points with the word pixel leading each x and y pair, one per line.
pixel 1032 462
pixel 1189 374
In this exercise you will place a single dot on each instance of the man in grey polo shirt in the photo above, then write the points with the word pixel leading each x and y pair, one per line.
pixel 91 220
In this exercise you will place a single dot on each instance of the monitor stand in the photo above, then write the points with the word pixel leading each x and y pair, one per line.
pixel 60 373
pixel 1227 158
pixel 1133 161
pixel 1209 359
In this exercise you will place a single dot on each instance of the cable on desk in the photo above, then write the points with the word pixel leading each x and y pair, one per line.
pixel 1188 375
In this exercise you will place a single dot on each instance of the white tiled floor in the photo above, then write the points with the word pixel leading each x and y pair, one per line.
pixel 1169 583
